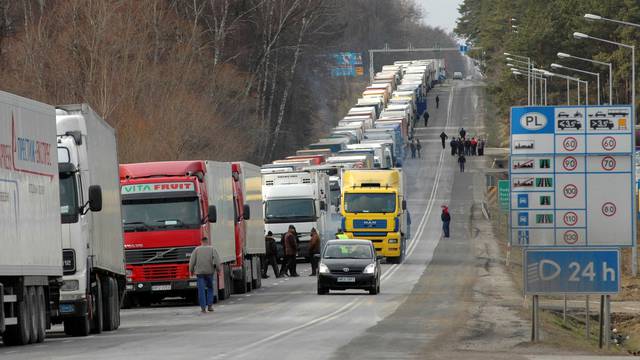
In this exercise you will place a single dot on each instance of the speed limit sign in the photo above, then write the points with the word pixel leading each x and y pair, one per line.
pixel 609 209
pixel 608 143
pixel 608 163
pixel 569 163
pixel 570 191
pixel 570 218
pixel 570 237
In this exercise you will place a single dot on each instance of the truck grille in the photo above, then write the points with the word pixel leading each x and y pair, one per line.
pixel 161 272
pixel 370 224
pixel 158 255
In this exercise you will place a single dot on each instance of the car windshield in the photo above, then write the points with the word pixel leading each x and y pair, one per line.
pixel 146 214
pixel 346 251
pixel 285 210
pixel 369 203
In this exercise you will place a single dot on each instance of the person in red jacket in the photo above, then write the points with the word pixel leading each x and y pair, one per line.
pixel 446 220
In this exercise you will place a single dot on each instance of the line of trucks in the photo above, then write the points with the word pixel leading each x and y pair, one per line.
pixel 83 236
pixel 351 181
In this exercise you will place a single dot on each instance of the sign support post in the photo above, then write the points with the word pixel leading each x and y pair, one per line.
pixel 587 321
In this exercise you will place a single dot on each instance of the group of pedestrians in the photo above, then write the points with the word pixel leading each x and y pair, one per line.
pixel 464 146
pixel 290 244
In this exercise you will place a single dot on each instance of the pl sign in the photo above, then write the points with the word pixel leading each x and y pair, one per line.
pixel 572 176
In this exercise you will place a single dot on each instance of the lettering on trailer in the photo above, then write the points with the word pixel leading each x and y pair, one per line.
pixel 27 155
pixel 156 188
pixel 575 271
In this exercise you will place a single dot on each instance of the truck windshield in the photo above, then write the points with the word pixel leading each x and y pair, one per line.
pixel 289 210
pixel 369 203
pixel 68 198
pixel 160 213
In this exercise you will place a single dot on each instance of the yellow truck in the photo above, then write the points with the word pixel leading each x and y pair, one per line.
pixel 373 208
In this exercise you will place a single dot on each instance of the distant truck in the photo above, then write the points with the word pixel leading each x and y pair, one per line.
pixel 93 255
pixel 249 227
pixel 31 246
pixel 373 208
pixel 300 199
pixel 168 207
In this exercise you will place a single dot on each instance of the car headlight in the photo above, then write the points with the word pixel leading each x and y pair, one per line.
pixel 70 285
pixel 370 268
pixel 323 269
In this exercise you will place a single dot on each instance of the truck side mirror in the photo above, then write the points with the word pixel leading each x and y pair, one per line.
pixel 246 212
pixel 95 198
pixel 213 214
pixel 323 205
pixel 404 204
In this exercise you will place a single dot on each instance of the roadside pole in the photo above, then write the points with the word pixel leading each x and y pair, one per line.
pixel 601 322
pixel 587 321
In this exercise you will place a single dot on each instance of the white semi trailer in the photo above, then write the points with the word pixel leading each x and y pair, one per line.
pixel 93 251
pixel 30 244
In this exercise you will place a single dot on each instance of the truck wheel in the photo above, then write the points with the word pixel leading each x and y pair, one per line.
pixel 32 305
pixel 109 306
pixel 97 322
pixel 42 314
pixel 19 334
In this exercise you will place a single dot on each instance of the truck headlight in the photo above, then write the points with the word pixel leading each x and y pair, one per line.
pixel 323 269
pixel 70 285
pixel 370 269
pixel 393 241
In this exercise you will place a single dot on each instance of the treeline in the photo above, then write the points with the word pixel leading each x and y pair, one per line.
pixel 541 29
pixel 217 79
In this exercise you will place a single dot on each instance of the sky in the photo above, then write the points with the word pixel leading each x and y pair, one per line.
pixel 440 13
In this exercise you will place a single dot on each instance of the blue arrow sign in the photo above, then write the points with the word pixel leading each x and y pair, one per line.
pixel 571 271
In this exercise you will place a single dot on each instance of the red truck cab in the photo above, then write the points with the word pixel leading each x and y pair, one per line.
pixel 164 210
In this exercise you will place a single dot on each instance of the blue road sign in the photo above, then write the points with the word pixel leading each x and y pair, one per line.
pixel 523 219
pixel 523 200
pixel 523 237
pixel 571 271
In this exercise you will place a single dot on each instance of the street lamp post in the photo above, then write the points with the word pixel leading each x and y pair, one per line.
pixel 567 56
pixel 568 78
pixel 529 64
pixel 535 75
pixel 558 66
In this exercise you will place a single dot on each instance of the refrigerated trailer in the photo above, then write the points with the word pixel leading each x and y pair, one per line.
pixel 30 245
pixel 93 254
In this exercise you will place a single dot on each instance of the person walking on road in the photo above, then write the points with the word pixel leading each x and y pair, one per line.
pixel 481 147
pixel 454 146
pixel 314 248
pixel 446 220
pixel 412 146
pixel 418 148
pixel 467 147
pixel 205 265
pixel 437 101
pixel 426 118
pixel 474 146
pixel 270 256
pixel 443 137
pixel 463 133
pixel 461 161
pixel 291 251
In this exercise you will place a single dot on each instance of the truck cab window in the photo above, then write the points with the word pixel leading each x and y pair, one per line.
pixel 68 198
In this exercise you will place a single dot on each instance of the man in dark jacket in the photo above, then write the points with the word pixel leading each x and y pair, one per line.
pixel 314 248
pixel 291 251
pixel 446 220
pixel 454 146
pixel 461 161
pixel 467 147
pixel 270 256
pixel 437 101
pixel 443 137
pixel 426 118
pixel 463 133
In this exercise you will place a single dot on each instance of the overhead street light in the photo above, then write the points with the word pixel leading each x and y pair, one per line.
pixel 562 55
pixel 511 58
pixel 594 17
pixel 568 78
pixel 559 66
pixel 579 35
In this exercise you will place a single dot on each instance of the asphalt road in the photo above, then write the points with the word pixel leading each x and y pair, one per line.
pixel 287 320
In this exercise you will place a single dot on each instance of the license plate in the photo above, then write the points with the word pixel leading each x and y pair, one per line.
pixel 67 308
pixel 346 279
pixel 160 287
